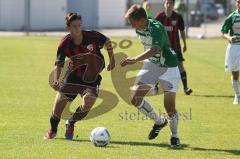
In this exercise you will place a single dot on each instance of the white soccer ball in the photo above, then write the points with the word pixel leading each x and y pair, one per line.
pixel 100 137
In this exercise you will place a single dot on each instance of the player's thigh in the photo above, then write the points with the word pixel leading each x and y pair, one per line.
pixel 147 74
pixel 60 103
pixel 138 92
pixel 145 81
pixel 170 80
pixel 232 58
pixel 89 96
pixel 70 87
pixel 60 99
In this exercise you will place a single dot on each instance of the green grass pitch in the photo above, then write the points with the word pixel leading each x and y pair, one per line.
pixel 209 126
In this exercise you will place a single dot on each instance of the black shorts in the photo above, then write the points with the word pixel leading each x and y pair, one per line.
pixel 74 85
pixel 180 56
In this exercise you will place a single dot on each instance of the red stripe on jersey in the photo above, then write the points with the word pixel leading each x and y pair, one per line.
pixel 176 40
pixel 65 39
pixel 78 61
pixel 172 25
pixel 68 52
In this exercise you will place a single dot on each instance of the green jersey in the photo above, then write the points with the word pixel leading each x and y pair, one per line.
pixel 154 35
pixel 232 24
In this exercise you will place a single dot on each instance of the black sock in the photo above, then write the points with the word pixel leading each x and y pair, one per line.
pixel 54 121
pixel 79 114
pixel 184 79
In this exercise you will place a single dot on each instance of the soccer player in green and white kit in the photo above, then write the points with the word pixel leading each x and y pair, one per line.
pixel 160 66
pixel 232 26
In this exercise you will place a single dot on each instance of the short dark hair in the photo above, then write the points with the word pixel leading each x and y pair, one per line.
pixel 136 12
pixel 172 0
pixel 72 17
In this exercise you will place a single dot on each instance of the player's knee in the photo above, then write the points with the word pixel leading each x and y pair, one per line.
pixel 88 101
pixel 62 98
pixel 235 75
pixel 181 67
pixel 136 101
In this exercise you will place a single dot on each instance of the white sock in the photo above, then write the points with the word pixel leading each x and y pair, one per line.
pixel 173 123
pixel 147 110
pixel 235 84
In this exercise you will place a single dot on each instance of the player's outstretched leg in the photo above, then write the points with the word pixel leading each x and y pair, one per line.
pixel 60 103
pixel 144 107
pixel 156 129
pixel 52 133
pixel 80 113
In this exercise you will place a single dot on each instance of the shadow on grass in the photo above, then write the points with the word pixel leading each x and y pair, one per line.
pixel 234 152
pixel 133 143
pixel 212 96
pixel 136 143
pixel 78 140
pixel 163 145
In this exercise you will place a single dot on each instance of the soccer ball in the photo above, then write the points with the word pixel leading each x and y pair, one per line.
pixel 100 137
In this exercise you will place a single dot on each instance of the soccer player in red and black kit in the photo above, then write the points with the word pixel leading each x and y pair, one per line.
pixel 82 75
pixel 173 23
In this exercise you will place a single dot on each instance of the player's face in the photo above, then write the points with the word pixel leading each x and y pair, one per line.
pixel 137 24
pixel 75 28
pixel 169 5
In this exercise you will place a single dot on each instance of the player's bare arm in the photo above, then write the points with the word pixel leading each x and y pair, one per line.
pixel 148 53
pixel 231 39
pixel 57 72
pixel 109 48
pixel 183 36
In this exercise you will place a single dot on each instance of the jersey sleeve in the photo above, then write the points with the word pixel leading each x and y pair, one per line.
pixel 227 25
pixel 181 25
pixel 100 38
pixel 61 55
pixel 159 36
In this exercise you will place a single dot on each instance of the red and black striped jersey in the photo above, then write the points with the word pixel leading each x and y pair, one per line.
pixel 85 58
pixel 172 25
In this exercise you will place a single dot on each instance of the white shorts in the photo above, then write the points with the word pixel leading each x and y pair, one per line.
pixel 151 74
pixel 232 58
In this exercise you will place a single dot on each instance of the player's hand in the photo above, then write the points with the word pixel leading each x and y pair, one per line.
pixel 232 39
pixel 184 48
pixel 56 85
pixel 111 65
pixel 127 61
